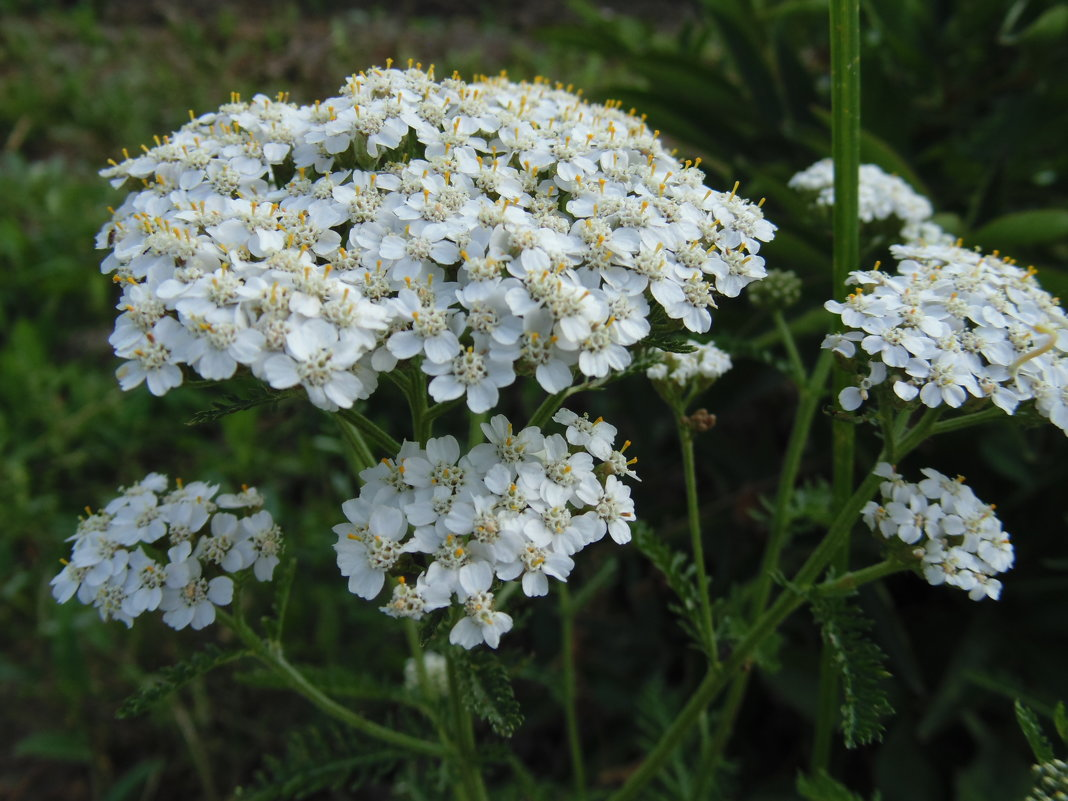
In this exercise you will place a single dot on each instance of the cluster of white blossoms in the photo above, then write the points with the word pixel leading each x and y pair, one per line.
pixel 704 364
pixel 957 538
pixel 111 569
pixel 880 194
pixel 481 230
pixel 518 506
pixel 954 323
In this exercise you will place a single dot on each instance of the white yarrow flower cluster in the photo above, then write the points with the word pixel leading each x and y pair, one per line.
pixel 881 195
pixel 148 550
pixel 704 364
pixel 482 229
pixel 955 324
pixel 517 507
pixel 957 538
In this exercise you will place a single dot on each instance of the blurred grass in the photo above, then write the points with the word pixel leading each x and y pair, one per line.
pixel 80 81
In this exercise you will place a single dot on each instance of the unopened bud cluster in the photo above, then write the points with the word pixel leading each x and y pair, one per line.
pixel 447 527
pixel 149 549
pixel 957 538
pixel 701 366
pixel 1051 781
pixel 780 290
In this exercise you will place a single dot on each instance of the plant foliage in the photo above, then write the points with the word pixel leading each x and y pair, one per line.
pixel 860 664
pixel 486 690
pixel 177 676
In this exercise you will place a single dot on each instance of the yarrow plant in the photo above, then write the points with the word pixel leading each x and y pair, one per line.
pixel 447 240
pixel 147 550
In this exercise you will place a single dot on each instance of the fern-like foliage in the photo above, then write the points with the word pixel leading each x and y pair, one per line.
pixel 861 666
pixel 486 690
pixel 177 676
pixel 679 572
pixel 243 395
pixel 319 759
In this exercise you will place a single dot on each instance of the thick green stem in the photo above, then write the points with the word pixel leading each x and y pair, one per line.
pixel 693 514
pixel 567 657
pixel 845 151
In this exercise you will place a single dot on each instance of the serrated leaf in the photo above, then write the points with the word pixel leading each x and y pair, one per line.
pixel 249 396
pixel 1032 730
pixel 679 572
pixel 318 760
pixel 177 676
pixel 486 690
pixel 861 666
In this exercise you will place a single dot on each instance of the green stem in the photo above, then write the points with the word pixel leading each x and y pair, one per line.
pixel 693 514
pixel 271 656
pixel 548 407
pixel 788 601
pixel 465 736
pixel 415 391
pixel 574 740
pixel 797 367
pixel 967 420
pixel 845 151
pixel 361 456
pixel 811 393
pixel 382 440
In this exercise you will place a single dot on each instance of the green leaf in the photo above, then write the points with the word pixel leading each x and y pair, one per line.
pixel 822 787
pixel 132 781
pixel 860 664
pixel 1050 27
pixel 1060 721
pixel 318 760
pixel 486 690
pixel 1032 730
pixel 61 746
pixel 874 150
pixel 247 396
pixel 679 571
pixel 1022 229
pixel 177 676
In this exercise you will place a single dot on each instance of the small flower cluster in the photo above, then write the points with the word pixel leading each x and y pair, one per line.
pixel 881 195
pixel 518 506
pixel 957 538
pixel 704 364
pixel 111 569
pixel 955 323
pixel 483 229
pixel 1051 781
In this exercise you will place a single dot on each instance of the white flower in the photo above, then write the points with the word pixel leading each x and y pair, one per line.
pixel 189 599
pixel 368 546
pixel 482 623
pixel 451 235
